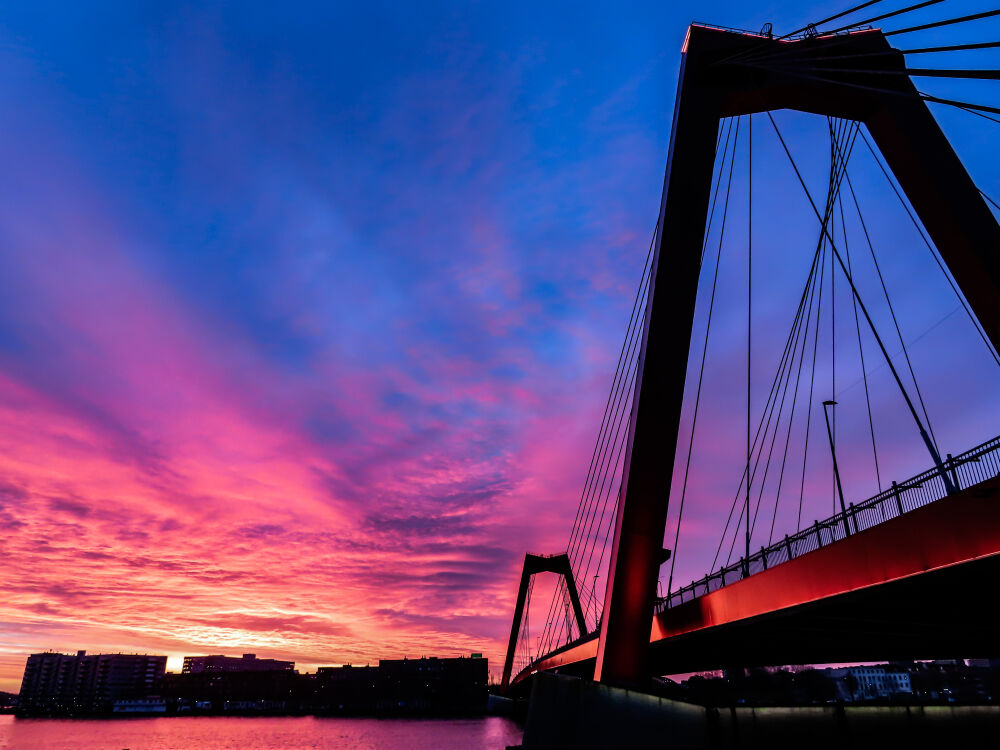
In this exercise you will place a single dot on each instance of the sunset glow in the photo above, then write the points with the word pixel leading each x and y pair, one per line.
pixel 307 319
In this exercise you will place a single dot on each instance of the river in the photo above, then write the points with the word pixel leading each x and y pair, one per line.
pixel 277 733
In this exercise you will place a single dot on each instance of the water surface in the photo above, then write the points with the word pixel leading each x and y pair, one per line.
pixel 265 733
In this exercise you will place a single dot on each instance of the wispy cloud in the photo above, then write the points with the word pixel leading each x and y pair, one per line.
pixel 305 336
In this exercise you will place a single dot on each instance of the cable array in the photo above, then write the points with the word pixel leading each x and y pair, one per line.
pixel 806 325
pixel 593 526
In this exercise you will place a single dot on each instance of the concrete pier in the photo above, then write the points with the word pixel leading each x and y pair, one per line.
pixel 575 714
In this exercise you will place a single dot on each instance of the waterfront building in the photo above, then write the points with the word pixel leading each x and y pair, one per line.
pixel 984 663
pixel 429 683
pixel 245 663
pixel 81 683
pixel 247 691
pixel 120 684
pixel 404 686
pixel 142 706
pixel 872 682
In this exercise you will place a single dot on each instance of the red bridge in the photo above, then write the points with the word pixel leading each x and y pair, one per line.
pixel 903 574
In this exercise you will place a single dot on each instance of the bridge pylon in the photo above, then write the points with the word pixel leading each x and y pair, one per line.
pixel 534 564
pixel 726 74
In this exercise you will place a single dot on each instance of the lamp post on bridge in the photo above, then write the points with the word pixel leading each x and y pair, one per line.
pixel 836 470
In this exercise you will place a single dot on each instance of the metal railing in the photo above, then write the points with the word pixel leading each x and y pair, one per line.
pixel 764 33
pixel 969 468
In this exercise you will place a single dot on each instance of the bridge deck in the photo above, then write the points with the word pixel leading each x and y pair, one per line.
pixel 965 470
pixel 911 587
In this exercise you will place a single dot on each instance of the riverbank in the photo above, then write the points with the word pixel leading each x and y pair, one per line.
pixel 259 733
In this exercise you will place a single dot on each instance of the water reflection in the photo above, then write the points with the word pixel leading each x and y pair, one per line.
pixel 237 733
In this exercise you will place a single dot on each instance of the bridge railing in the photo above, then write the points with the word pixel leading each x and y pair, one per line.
pixel 804 33
pixel 969 468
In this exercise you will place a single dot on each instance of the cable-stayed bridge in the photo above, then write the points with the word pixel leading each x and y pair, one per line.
pixel 899 574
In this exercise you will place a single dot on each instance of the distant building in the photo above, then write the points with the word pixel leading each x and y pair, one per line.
pixel 347 673
pixel 429 683
pixel 81 683
pixel 347 689
pixel 872 682
pixel 274 691
pixel 404 686
pixel 246 663
pixel 130 685
pixel 984 663
pixel 143 706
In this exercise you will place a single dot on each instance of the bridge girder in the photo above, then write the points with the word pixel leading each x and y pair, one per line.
pixel 915 586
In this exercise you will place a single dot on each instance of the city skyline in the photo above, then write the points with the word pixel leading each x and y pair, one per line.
pixel 307 318
pixel 253 662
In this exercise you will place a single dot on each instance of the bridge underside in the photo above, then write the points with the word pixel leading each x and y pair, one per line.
pixel 918 586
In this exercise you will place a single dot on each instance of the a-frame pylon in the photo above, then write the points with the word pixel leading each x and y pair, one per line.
pixel 724 74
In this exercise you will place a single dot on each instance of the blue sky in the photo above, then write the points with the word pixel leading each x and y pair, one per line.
pixel 332 293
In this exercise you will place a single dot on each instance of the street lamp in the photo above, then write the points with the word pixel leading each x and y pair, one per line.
pixel 836 471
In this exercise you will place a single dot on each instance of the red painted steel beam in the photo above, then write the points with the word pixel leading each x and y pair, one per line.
pixel 915 586
pixel 725 74
pixel 951 531
pixel 947 201
pixel 636 551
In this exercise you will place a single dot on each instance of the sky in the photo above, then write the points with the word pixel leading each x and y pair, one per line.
pixel 308 312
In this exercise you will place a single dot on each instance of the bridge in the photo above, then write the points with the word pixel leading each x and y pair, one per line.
pixel 901 574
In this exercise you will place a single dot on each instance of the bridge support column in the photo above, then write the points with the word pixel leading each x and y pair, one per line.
pixel 659 388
